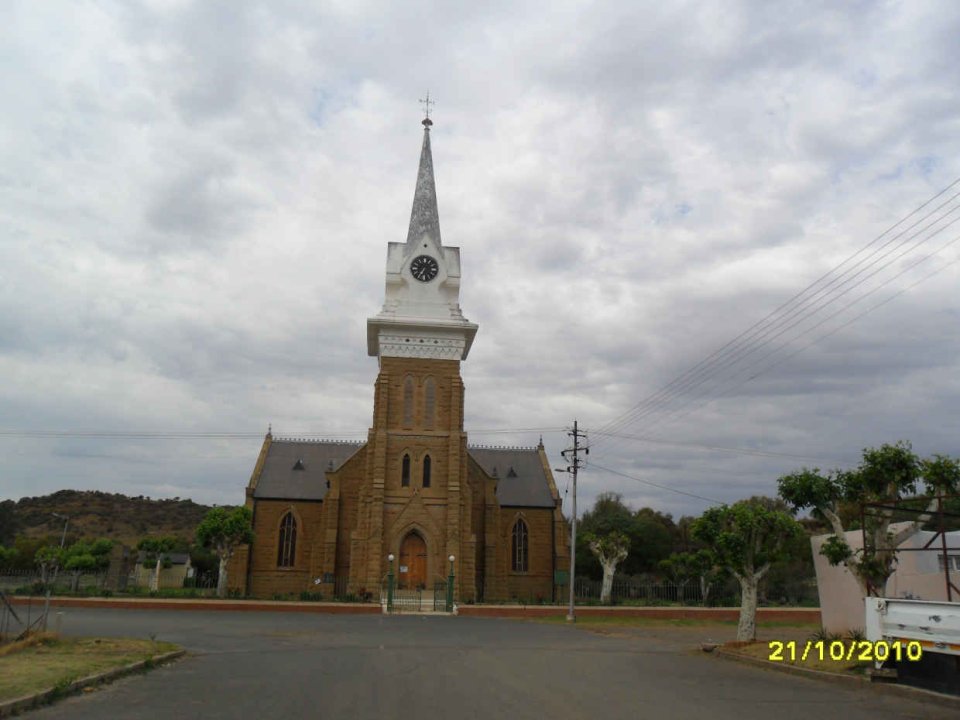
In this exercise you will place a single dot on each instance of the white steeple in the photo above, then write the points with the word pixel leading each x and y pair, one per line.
pixel 421 314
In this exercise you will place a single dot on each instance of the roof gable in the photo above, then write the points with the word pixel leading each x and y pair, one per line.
pixel 522 481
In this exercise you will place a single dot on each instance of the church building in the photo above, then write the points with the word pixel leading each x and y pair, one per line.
pixel 327 515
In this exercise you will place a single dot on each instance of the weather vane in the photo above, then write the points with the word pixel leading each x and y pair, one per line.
pixel 427 102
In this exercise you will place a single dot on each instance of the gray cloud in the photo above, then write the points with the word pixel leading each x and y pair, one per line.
pixel 195 201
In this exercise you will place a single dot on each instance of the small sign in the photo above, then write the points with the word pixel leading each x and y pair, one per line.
pixel 403 568
pixel 316 581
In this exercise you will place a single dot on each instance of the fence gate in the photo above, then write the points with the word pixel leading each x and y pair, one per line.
pixel 440 596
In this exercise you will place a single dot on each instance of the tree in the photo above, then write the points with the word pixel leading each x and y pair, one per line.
pixel 49 558
pixel 700 565
pixel 7 556
pixel 610 550
pixel 886 475
pixel 224 531
pixel 650 534
pixel 745 538
pixel 157 550
pixel 83 556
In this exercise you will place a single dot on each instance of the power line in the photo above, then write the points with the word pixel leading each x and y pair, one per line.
pixel 224 435
pixel 743 451
pixel 802 292
pixel 733 352
pixel 653 484
pixel 749 345
pixel 673 417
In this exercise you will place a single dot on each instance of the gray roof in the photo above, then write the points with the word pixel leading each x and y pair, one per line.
pixel 522 480
pixel 296 469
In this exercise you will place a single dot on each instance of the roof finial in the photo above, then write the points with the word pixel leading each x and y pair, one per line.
pixel 427 102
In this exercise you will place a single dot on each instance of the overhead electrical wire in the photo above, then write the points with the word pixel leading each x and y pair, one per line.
pixel 732 350
pixel 672 415
pixel 222 435
pixel 701 446
pixel 829 333
pixel 752 339
pixel 656 485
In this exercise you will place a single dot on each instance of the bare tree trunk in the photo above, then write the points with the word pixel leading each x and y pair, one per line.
pixel 704 590
pixel 155 582
pixel 222 577
pixel 747 628
pixel 609 568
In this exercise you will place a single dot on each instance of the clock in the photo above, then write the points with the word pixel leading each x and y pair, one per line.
pixel 424 268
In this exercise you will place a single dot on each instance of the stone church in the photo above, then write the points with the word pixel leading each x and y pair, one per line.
pixel 328 514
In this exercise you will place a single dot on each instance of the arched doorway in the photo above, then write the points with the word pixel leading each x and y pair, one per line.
pixel 413 562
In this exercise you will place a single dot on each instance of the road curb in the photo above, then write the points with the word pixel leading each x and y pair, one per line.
pixel 903 691
pixel 45 697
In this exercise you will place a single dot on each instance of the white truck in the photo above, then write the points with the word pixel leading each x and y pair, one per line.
pixel 903 629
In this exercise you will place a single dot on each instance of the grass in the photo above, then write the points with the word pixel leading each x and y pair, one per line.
pixel 44 661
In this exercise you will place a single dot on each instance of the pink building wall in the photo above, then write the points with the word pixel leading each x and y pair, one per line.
pixel 918 576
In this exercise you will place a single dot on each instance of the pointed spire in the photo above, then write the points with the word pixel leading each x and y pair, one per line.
pixel 424 218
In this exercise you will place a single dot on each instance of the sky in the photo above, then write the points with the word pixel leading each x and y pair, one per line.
pixel 196 199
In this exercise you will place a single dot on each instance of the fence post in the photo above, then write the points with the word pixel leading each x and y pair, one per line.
pixel 390 584
pixel 450 586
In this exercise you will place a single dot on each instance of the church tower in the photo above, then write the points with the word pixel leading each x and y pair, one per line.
pixel 328 514
pixel 417 502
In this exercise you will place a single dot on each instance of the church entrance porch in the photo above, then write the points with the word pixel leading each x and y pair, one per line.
pixel 412 573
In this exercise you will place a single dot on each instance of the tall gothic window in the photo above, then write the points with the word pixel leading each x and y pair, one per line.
pixel 519 558
pixel 287 547
pixel 426 471
pixel 408 401
pixel 430 403
pixel 405 471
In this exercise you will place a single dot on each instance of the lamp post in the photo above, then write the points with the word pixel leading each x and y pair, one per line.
pixel 56 567
pixel 450 585
pixel 390 584
pixel 66 520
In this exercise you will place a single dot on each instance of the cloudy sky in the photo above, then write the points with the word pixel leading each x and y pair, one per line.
pixel 196 197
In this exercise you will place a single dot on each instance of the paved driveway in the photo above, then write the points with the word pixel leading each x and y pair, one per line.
pixel 293 665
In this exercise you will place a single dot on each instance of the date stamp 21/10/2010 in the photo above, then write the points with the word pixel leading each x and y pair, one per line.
pixel 844 651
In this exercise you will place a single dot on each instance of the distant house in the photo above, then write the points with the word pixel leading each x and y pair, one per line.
pixel 919 575
pixel 173 572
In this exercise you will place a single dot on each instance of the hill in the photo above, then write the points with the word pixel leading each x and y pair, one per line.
pixel 98 514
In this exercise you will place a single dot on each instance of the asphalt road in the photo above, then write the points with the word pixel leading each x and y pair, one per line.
pixel 294 665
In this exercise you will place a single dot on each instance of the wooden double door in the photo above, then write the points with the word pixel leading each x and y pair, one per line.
pixel 413 563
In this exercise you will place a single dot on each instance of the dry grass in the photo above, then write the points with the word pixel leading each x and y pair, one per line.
pixel 45 662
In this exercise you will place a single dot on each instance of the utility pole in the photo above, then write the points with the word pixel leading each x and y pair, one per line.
pixel 572 468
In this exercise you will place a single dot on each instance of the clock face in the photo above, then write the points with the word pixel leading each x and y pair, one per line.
pixel 424 268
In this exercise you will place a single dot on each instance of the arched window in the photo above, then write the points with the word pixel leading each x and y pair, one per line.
pixel 429 403
pixel 426 471
pixel 408 401
pixel 519 559
pixel 405 471
pixel 287 547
